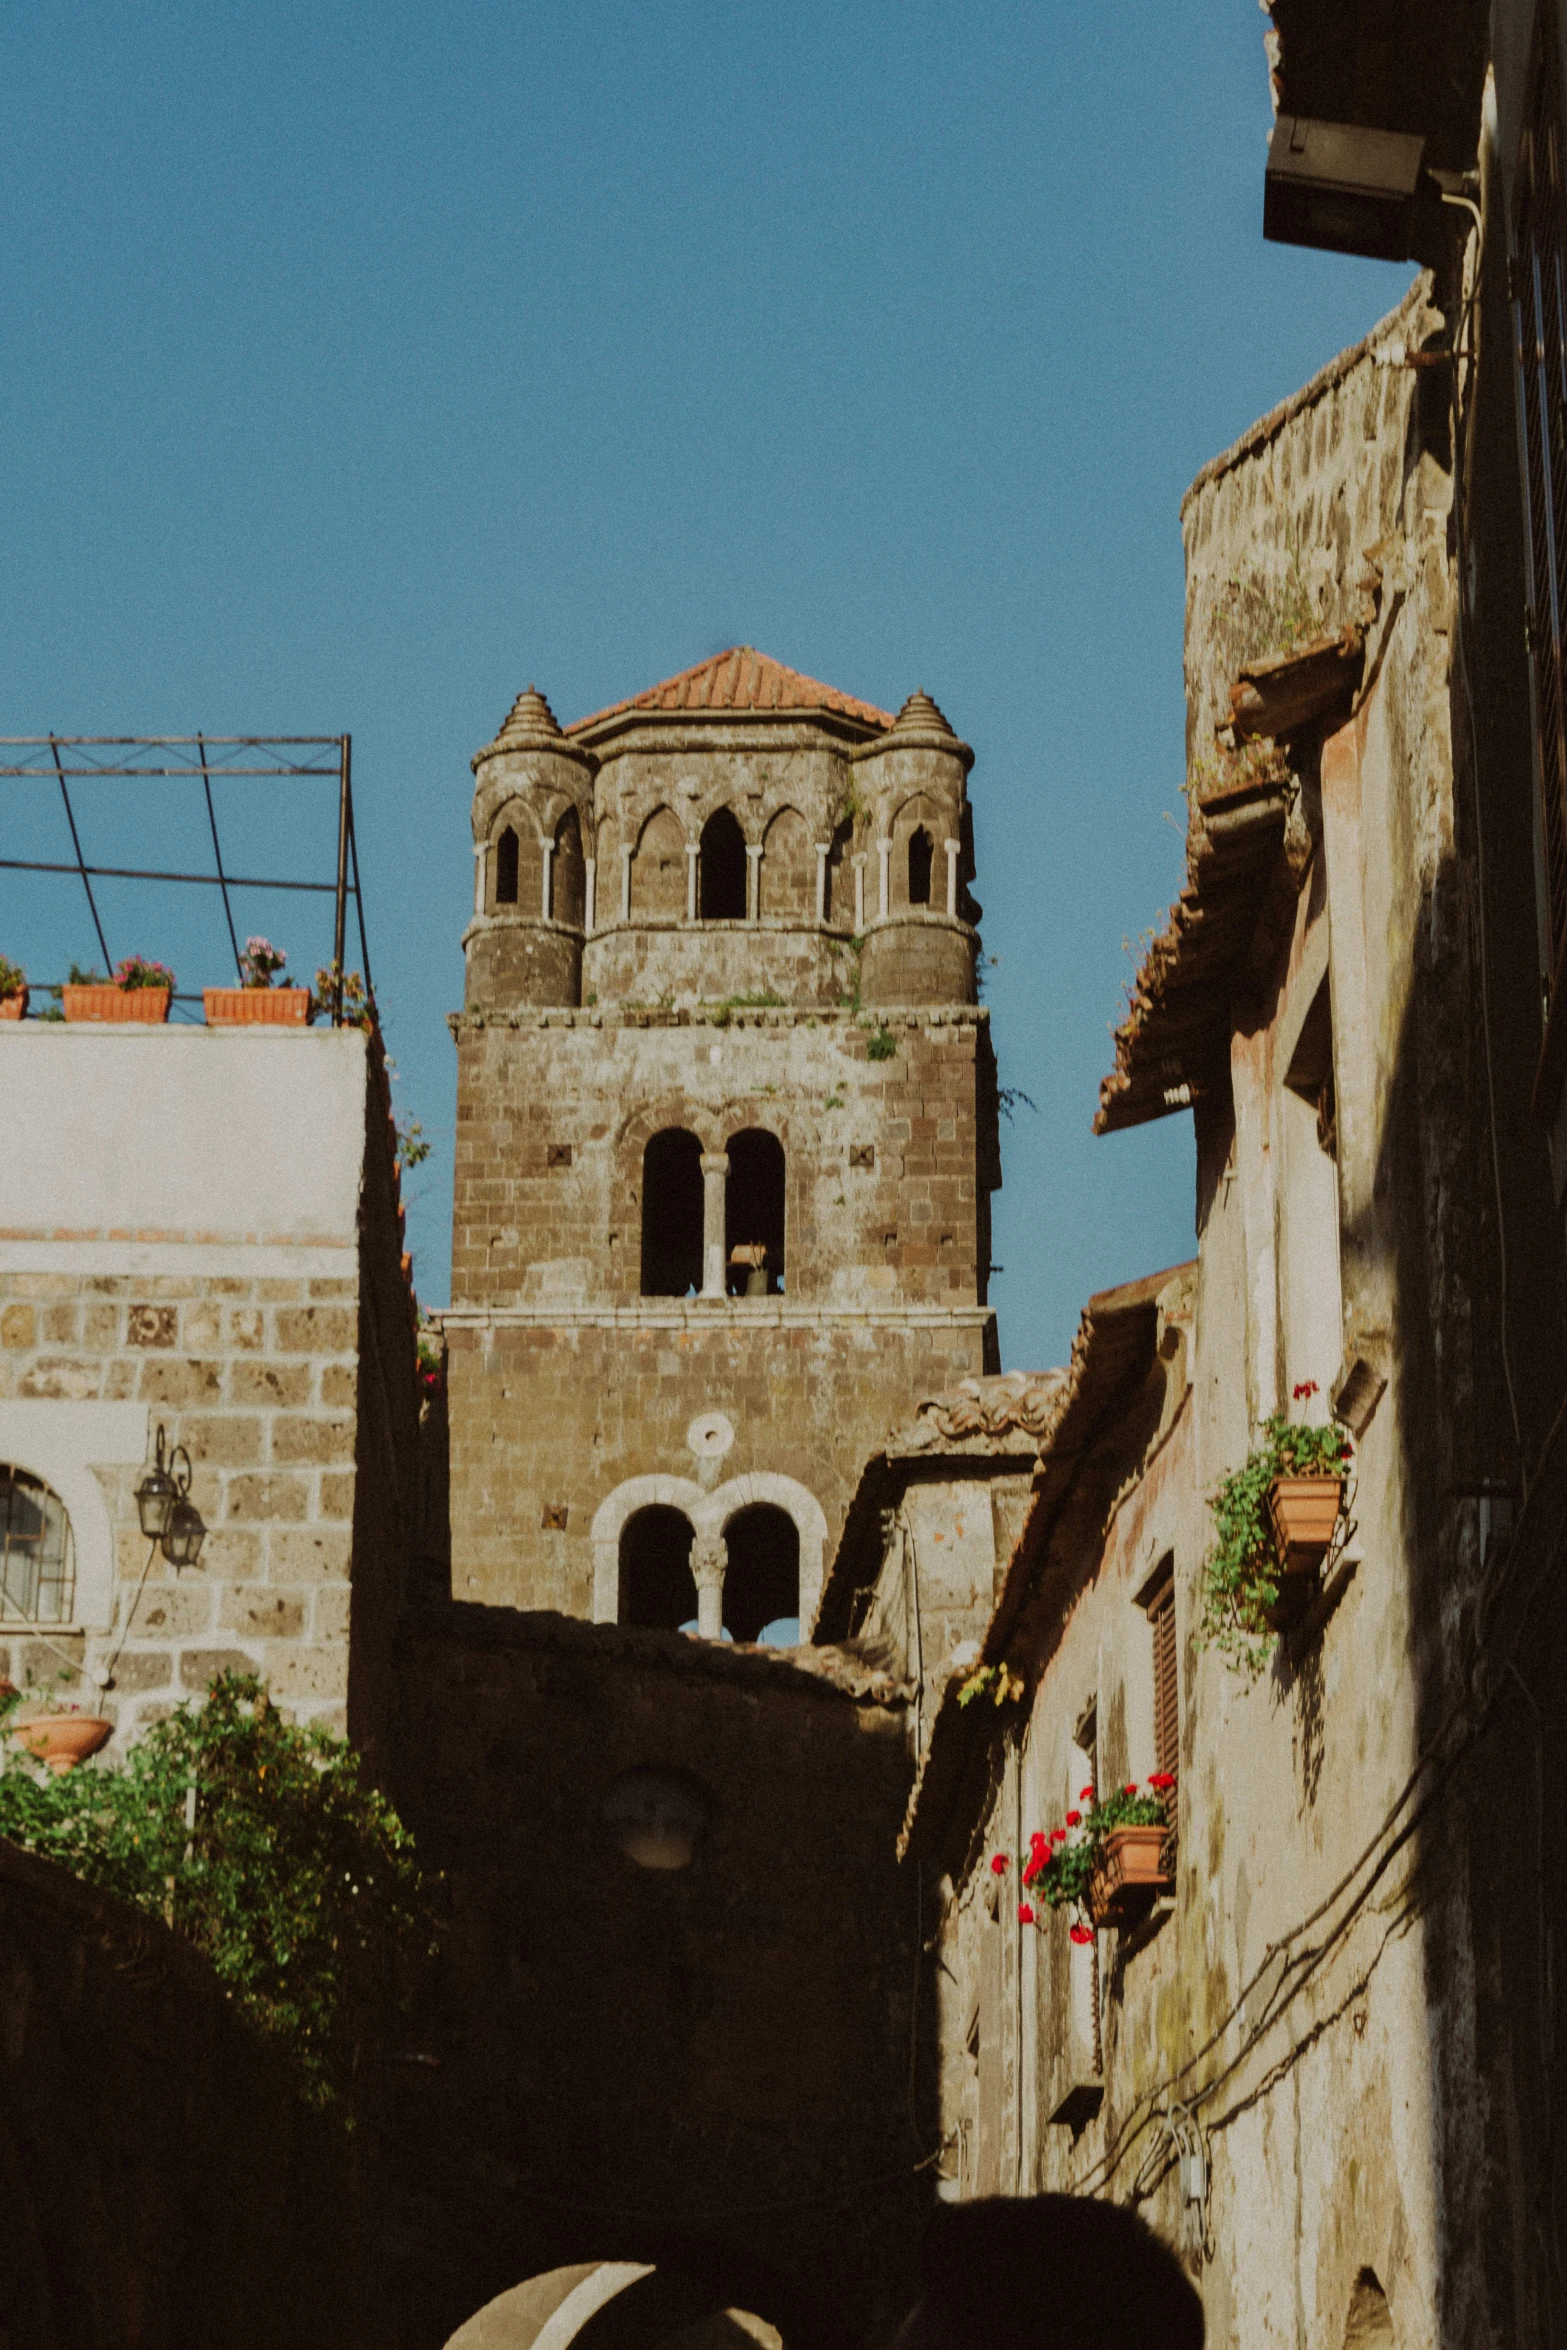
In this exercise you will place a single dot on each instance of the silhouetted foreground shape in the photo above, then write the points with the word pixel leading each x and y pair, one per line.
pixel 1046 2269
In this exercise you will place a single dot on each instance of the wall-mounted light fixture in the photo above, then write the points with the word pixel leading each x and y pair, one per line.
pixel 1343 188
pixel 167 1513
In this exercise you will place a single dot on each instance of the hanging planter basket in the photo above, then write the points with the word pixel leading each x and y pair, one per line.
pixel 257 1007
pixel 63 1740
pixel 108 1002
pixel 1305 1514
pixel 1128 1873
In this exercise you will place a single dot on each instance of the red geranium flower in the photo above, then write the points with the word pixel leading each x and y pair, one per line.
pixel 1304 1389
pixel 1025 1913
pixel 1082 1934
pixel 998 1864
pixel 1085 1795
pixel 1037 1840
pixel 1161 1780
pixel 1058 1835
pixel 1074 1819
pixel 1130 1788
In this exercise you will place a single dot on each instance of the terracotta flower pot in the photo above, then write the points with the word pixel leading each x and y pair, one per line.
pixel 63 1740
pixel 256 1007
pixel 14 1007
pixel 1128 1873
pixel 1305 1513
pixel 116 1003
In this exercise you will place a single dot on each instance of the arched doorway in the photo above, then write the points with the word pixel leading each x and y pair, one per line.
pixel 721 869
pixel 672 1214
pixel 657 1587
pixel 762 1578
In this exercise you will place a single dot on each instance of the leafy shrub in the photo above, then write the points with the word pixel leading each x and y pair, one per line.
pixel 290 1874
pixel 1240 1576
pixel 12 978
pixel 882 1046
pixel 358 1003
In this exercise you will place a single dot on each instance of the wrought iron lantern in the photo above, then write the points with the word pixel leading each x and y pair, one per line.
pixel 168 1515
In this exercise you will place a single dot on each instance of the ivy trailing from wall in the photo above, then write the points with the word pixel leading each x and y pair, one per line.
pixel 262 1843
pixel 1238 1586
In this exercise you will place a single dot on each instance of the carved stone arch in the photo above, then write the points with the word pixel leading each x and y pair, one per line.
pixel 520 880
pixel 919 813
pixel 609 1522
pixel 568 869
pixel 788 868
pixel 64 1445
pixel 723 854
pixel 658 869
pixel 798 1502
pixel 627 1151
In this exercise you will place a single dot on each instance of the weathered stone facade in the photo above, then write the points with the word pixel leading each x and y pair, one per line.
pixel 730 916
pixel 203 1236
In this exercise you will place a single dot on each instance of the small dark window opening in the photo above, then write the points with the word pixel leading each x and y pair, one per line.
pixel 672 1214
pixel 657 1587
pixel 922 855
pixel 568 872
pixel 762 1578
pixel 754 1214
pixel 506 868
pixel 721 869
pixel 839 905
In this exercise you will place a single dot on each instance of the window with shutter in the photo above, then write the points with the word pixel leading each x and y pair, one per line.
pixel 1539 288
pixel 1157 1600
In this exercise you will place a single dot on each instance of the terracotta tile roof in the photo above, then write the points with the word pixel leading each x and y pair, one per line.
pixel 740 679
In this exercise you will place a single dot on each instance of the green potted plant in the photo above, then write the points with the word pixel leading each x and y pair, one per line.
pixel 265 999
pixel 13 991
pixel 1107 1862
pixel 1274 1521
pixel 139 990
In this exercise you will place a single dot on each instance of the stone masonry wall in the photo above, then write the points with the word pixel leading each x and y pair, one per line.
pixel 891 1161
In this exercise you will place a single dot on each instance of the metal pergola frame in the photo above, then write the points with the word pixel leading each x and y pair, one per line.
pixel 200 758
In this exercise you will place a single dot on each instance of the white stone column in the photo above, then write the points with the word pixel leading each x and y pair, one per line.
pixel 884 852
pixel 545 892
pixel 626 855
pixel 952 877
pixel 709 1559
pixel 590 891
pixel 753 881
pixel 692 853
pixel 479 855
pixel 823 852
pixel 859 893
pixel 715 1176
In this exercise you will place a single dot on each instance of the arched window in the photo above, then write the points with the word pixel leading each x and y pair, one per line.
pixel 37 1556
pixel 506 868
pixel 568 873
pixel 657 1587
pixel 840 877
pixel 658 870
pixel 922 855
pixel 762 1579
pixel 788 867
pixel 721 869
pixel 754 1214
pixel 672 1214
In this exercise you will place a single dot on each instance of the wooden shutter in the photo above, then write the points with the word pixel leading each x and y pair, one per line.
pixel 1539 288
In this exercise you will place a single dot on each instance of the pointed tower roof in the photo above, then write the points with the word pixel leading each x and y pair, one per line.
pixel 739 679
pixel 529 721
pixel 919 710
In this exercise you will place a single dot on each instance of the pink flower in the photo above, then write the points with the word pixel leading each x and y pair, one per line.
pixel 1082 1934
pixel 1025 1913
pixel 1074 1819
pixel 998 1864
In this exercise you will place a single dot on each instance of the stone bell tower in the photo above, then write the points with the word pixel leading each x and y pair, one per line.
pixel 726 1136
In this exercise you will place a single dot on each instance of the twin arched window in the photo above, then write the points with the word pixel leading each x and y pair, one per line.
pixel 761 1575
pixel 673 1214
pixel 37 1555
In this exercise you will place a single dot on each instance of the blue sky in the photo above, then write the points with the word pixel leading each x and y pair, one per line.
pixel 362 365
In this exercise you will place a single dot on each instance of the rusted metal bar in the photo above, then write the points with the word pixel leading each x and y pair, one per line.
pixel 77 845
pixel 343 788
pixel 138 873
pixel 228 911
